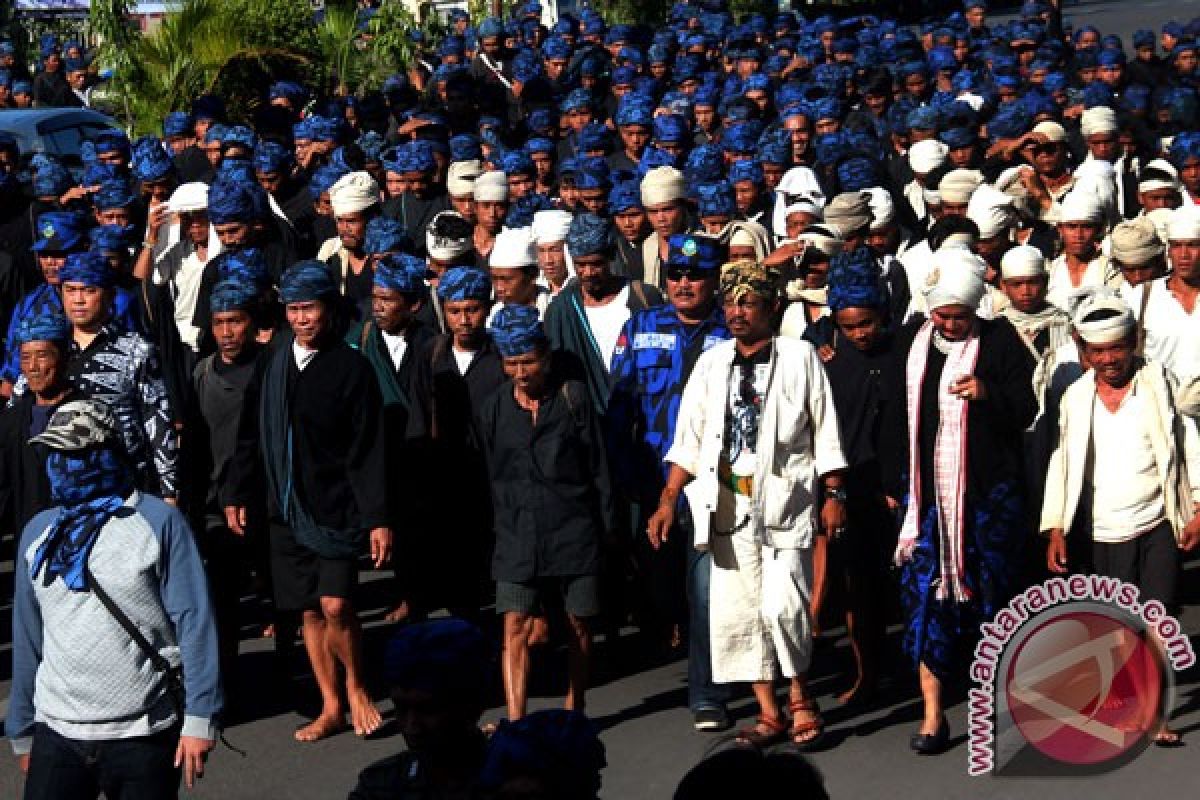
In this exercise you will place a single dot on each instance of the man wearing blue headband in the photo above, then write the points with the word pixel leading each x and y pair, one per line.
pixel 122 370
pixel 585 319
pixel 453 375
pixel 223 381
pixel 553 500
pixel 654 357
pixel 43 342
pixel 326 489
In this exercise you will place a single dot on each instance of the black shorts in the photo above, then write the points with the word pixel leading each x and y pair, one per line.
pixel 301 578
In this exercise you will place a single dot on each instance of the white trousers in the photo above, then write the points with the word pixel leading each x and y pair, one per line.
pixel 759 600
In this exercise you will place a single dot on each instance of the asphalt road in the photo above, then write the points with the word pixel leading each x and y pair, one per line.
pixel 642 712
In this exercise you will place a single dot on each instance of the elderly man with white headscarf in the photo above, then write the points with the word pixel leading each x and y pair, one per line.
pixel 1081 225
pixel 1123 437
pixel 550 238
pixel 956 455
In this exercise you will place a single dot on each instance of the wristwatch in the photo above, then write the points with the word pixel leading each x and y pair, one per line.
pixel 836 493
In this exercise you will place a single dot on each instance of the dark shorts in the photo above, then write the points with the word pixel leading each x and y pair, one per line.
pixel 301 578
pixel 580 595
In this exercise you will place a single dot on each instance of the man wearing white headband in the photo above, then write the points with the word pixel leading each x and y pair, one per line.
pixel 1081 227
pixel 460 187
pixel 180 266
pixel 491 206
pixel 664 194
pixel 924 157
pixel 1158 186
pixel 514 270
pixel 356 201
pixel 1122 437
pixel 550 238
pixel 1170 319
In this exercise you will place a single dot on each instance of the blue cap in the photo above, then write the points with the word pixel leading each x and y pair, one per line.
pixel 59 231
pixel 306 281
pixel 517 330
pixel 400 272
pixel 464 283
pixel 695 251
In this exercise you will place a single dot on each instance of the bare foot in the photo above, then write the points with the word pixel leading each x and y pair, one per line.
pixel 539 632
pixel 397 614
pixel 363 713
pixel 268 632
pixel 322 727
pixel 1167 738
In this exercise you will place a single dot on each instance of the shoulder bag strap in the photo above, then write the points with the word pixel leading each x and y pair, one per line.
pixel 171 675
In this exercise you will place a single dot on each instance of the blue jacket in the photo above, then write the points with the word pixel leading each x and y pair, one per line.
pixel 651 364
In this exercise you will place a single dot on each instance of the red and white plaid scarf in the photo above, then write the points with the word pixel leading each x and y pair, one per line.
pixel 949 458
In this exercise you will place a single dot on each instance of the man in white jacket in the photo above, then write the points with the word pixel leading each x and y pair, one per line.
pixel 757 446
pixel 1123 479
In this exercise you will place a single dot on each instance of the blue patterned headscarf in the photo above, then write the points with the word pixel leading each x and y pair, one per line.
pixel 52 180
pixel 230 201
pixel 588 235
pixel 91 486
pixel 90 269
pixel 246 265
pixel 49 325
pixel 560 747
pixel 271 156
pixel 440 656
pixel 464 283
pixel 113 194
pixel 854 281
pixel 400 272
pixel 150 160
pixel 517 330
pixel 113 238
pixel 232 294
pixel 306 281
pixel 385 235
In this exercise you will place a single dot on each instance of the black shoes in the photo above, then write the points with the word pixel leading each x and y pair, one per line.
pixel 931 744
pixel 711 720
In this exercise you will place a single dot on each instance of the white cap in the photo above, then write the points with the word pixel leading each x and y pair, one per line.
pixel 551 226
pixel 958 185
pixel 513 249
pixel 1158 174
pixel 1116 325
pixel 883 208
pixel 803 206
pixel 1023 261
pixel 461 176
pixel 927 155
pixel 955 279
pixel 1100 119
pixel 189 197
pixel 491 187
pixel 353 192
pixel 992 211
pixel 1184 224
pixel 663 185
pixel 1051 130
pixel 1079 206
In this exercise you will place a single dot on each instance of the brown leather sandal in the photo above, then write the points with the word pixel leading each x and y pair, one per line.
pixel 776 731
pixel 808 734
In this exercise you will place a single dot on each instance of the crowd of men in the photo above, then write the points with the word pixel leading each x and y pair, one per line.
pixel 712 329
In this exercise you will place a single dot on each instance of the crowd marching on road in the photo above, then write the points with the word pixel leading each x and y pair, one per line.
pixel 731 331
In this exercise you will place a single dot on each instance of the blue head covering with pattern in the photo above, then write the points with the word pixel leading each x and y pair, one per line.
pixel 517 330
pixel 150 160
pixel 444 657
pixel 386 235
pixel 178 123
pixel 715 199
pixel 231 294
pixel 464 283
pixel 52 180
pixel 624 196
pixel 232 201
pixel 855 282
pixel 588 235
pixel 113 194
pixel 465 147
pixel 271 156
pixel 400 272
pixel 113 238
pixel 247 266
pixel 306 281
pixel 89 269
pixel 49 325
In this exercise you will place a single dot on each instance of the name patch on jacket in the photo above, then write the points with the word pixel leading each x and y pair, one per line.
pixel 654 341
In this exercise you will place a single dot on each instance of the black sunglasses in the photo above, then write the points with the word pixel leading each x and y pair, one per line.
pixel 676 274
